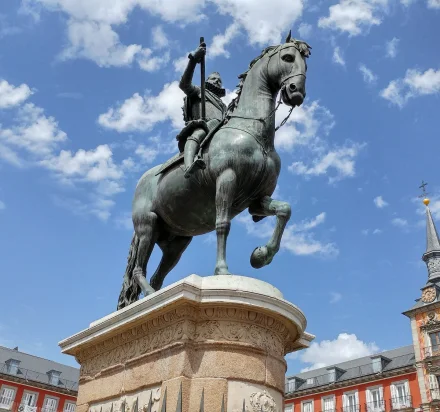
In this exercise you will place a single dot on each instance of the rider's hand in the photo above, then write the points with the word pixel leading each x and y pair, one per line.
pixel 198 54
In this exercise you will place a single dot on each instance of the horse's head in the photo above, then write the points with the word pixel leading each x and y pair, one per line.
pixel 287 70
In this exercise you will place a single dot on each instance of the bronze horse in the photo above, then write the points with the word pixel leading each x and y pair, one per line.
pixel 242 172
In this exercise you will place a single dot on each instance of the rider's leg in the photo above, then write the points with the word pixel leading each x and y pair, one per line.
pixel 191 148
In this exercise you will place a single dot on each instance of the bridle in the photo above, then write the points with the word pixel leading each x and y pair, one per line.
pixel 283 81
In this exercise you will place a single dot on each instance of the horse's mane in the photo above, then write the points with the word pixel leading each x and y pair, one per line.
pixel 303 48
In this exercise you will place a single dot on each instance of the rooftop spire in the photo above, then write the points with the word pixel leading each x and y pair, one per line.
pixel 432 255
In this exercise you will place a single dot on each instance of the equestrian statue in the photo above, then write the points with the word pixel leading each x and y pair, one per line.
pixel 226 163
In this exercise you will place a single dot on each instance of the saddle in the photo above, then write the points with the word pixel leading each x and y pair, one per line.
pixel 189 128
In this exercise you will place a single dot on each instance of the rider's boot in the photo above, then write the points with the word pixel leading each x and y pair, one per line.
pixel 191 162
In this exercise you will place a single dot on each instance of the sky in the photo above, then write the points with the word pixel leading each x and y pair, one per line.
pixel 89 100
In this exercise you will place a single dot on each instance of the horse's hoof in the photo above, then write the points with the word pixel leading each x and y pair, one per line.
pixel 259 257
pixel 221 271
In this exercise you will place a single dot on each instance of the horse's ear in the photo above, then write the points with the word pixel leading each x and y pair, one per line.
pixel 289 36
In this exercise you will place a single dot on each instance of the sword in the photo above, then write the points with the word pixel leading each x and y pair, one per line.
pixel 202 82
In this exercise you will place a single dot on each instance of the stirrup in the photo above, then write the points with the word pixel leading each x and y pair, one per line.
pixel 197 164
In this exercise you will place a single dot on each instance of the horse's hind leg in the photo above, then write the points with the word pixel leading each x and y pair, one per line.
pixel 267 206
pixel 172 251
pixel 145 227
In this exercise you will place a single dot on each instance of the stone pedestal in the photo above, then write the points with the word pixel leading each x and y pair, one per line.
pixel 223 335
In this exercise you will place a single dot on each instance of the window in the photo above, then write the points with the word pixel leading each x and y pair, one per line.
pixel 290 385
pixel 288 408
pixel 434 386
pixel 12 366
pixel 351 403
pixel 50 404
pixel 307 406
pixel 310 381
pixel 332 375
pixel 54 377
pixel 435 341
pixel 69 407
pixel 400 395
pixel 375 401
pixel 29 401
pixel 328 404
pixel 7 396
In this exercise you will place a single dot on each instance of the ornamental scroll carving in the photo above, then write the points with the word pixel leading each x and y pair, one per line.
pixel 186 323
pixel 431 323
pixel 261 402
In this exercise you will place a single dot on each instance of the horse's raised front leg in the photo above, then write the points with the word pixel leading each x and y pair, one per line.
pixel 266 206
pixel 225 191
pixel 145 227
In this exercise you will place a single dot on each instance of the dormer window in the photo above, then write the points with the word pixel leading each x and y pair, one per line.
pixel 54 377
pixel 334 374
pixel 12 366
pixel 379 363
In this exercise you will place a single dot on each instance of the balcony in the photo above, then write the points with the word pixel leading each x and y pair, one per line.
pixel 6 405
pixel 430 351
pixel 435 394
pixel 375 406
pixel 351 408
pixel 401 403
pixel 33 376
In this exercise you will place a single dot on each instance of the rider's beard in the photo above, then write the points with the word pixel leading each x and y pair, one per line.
pixel 218 91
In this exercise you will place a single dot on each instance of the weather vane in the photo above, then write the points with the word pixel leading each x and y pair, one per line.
pixel 424 193
pixel 423 187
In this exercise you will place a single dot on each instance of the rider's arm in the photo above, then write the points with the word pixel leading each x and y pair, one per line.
pixel 186 81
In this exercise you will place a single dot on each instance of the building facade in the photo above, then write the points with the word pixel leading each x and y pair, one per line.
pixel 425 322
pixel 32 384
pixel 404 379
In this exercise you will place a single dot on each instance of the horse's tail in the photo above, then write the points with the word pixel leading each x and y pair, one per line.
pixel 130 289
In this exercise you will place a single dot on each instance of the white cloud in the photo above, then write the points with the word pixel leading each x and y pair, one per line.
pixel 150 63
pixel 2 205
pixel 433 4
pixel 88 165
pixel 217 46
pixel 329 352
pixel 96 206
pixel 303 125
pixel 414 84
pixel 34 132
pixel 11 96
pixel 98 42
pixel 297 238
pixel 391 47
pixel 368 76
pixel 380 202
pixel 337 56
pixel 160 39
pixel 335 297
pixel 366 232
pixel 264 21
pixel 398 222
pixel 341 160
pixel 117 11
pixel 147 154
pixel 305 30
pixel 142 113
pixel 180 63
pixel 377 232
pixel 353 16
pixel 229 96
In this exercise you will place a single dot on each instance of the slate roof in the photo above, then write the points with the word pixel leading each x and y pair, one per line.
pixel 356 368
pixel 33 368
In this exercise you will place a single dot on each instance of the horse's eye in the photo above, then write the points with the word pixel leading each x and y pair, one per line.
pixel 288 58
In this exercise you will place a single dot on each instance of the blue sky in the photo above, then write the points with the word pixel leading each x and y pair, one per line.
pixel 89 100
